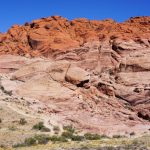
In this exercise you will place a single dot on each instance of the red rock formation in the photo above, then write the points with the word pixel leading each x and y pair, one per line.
pixel 54 34
pixel 94 74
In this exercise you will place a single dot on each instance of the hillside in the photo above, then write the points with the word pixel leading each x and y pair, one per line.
pixel 93 75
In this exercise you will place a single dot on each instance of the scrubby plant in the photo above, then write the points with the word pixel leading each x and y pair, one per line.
pixel 77 138
pixel 5 91
pixel 67 134
pixel 42 139
pixel 118 136
pixel 30 141
pixel 22 121
pixel 58 138
pixel 90 136
pixel 40 126
pixel 8 93
pixel 38 139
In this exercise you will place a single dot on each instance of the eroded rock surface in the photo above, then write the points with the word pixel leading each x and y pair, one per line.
pixel 94 75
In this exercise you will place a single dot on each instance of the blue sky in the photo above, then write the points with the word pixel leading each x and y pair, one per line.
pixel 21 11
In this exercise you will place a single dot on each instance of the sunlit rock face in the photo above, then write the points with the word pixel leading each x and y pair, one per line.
pixel 94 75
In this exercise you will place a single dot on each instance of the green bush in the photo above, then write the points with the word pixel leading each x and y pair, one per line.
pixel 90 136
pixel 77 138
pixel 56 138
pixel 38 139
pixel 69 135
pixel 40 126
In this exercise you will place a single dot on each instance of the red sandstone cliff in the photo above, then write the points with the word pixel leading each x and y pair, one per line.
pixel 48 35
pixel 94 74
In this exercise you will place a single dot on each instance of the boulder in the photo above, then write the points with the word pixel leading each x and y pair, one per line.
pixel 58 70
pixel 77 76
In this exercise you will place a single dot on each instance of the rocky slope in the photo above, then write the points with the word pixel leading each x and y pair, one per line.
pixel 94 75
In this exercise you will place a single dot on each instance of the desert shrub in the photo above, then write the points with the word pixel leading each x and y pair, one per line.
pixel 42 139
pixel 45 129
pixel 40 126
pixel 0 120
pixel 56 138
pixel 118 136
pixel 38 139
pixel 62 139
pixel 30 141
pixel 8 92
pixel 132 133
pixel 69 129
pixel 77 138
pixel 67 134
pixel 90 136
pixel 22 121
pixel 19 145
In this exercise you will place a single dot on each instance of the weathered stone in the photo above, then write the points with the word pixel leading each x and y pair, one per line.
pixel 92 74
pixel 77 76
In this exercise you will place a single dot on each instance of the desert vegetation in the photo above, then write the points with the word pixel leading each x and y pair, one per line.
pixel 60 142
pixel 40 126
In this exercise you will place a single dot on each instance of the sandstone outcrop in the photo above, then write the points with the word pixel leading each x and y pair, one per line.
pixel 94 75
pixel 53 35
